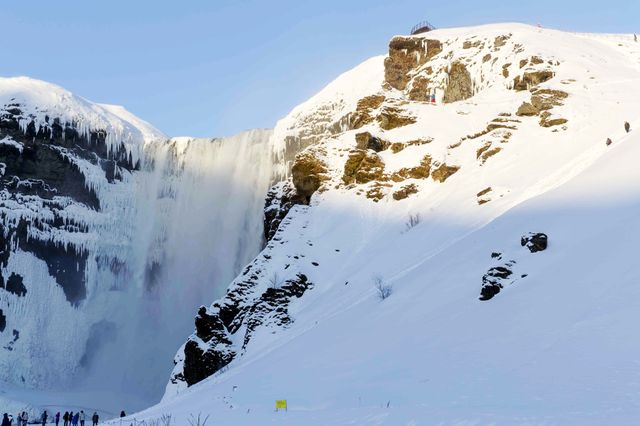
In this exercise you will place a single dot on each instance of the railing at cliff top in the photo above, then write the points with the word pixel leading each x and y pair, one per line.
pixel 422 27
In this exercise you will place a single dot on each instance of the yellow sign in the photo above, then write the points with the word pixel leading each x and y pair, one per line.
pixel 281 404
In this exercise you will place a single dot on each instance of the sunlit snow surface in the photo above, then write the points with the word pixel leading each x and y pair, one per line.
pixel 556 347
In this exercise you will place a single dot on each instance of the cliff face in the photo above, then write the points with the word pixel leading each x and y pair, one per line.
pixel 41 171
pixel 440 203
pixel 105 227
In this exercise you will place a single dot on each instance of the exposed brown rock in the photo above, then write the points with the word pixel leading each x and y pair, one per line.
pixel 405 191
pixel 419 89
pixel 366 140
pixel 484 191
pixel 546 121
pixel 420 172
pixel 443 172
pixel 365 107
pixel 469 44
pixel 493 126
pixel 396 147
pixel 362 167
pixel 405 55
pixel 542 100
pixel 536 60
pixel 505 70
pixel 526 109
pixel 460 86
pixel 486 57
pixel 307 174
pixel 531 79
pixel 482 149
pixel 391 118
pixel 489 153
pixel 501 40
pixel 419 142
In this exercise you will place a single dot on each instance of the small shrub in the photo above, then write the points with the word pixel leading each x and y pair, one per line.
pixel 198 421
pixel 165 419
pixel 275 281
pixel 413 221
pixel 382 289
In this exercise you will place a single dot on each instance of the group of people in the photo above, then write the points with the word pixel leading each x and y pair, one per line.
pixel 69 419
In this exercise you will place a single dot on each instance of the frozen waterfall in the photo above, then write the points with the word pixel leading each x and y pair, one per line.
pixel 167 239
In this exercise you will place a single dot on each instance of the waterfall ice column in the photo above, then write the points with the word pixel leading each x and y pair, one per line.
pixel 195 221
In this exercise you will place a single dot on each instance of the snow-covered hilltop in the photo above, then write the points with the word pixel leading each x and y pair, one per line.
pixel 467 173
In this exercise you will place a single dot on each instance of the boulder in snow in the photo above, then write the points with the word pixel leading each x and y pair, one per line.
pixel 535 242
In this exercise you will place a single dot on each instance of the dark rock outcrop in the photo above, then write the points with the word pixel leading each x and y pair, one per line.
pixel 366 140
pixel 534 241
pixel 279 200
pixel 245 307
pixel 494 280
pixel 15 285
pixel 199 362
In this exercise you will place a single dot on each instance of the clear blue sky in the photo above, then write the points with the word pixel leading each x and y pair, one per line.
pixel 216 67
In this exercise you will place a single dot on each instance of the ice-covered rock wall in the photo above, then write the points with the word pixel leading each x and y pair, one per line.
pixel 111 237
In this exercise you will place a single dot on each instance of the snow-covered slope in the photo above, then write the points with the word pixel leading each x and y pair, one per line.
pixel 432 201
pixel 107 226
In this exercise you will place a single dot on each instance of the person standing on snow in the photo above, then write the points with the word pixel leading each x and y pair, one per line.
pixel 57 418
pixel 82 416
pixel 122 414
pixel 65 418
pixel 627 126
pixel 25 418
pixel 95 418
pixel 5 420
pixel 76 417
pixel 44 417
